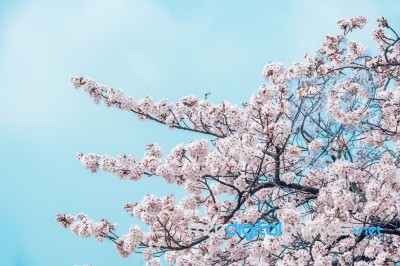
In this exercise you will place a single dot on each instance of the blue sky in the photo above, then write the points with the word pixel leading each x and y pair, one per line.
pixel 159 48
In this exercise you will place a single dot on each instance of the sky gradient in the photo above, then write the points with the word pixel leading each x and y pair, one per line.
pixel 156 48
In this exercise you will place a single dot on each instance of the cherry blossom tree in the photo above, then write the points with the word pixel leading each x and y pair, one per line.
pixel 319 141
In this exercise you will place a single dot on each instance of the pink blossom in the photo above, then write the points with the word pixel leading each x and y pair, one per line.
pixel 318 142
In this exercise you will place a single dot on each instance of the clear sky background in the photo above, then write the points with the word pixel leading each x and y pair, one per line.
pixel 159 48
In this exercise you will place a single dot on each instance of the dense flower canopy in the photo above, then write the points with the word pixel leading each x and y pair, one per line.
pixel 318 142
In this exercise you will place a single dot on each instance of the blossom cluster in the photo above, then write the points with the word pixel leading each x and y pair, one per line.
pixel 319 141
